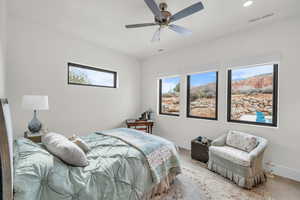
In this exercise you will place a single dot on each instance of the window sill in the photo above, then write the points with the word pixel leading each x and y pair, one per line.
pixel 171 115
pixel 252 124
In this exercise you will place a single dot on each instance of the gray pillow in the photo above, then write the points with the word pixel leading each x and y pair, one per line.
pixel 64 149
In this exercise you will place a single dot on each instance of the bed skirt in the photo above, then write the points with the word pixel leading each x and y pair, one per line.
pixel 162 188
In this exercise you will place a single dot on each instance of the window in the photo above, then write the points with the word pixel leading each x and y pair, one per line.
pixel 90 76
pixel 169 96
pixel 202 95
pixel 252 95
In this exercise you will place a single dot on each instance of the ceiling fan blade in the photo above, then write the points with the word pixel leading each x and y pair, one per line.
pixel 156 36
pixel 154 8
pixel 180 30
pixel 140 25
pixel 187 11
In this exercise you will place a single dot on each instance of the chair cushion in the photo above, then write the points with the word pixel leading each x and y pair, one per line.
pixel 242 141
pixel 232 154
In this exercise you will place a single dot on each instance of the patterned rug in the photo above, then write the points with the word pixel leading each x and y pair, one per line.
pixel 185 188
pixel 201 184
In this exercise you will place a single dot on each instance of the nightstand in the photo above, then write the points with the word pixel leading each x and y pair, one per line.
pixel 36 137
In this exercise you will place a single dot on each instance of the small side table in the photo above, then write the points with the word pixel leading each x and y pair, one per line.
pixel 36 137
pixel 142 125
pixel 200 150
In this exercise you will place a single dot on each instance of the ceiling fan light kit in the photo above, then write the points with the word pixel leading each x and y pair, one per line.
pixel 163 18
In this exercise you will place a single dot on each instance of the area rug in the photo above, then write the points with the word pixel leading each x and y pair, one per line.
pixel 202 184
pixel 184 188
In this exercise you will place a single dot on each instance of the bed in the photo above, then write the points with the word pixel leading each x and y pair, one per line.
pixel 123 164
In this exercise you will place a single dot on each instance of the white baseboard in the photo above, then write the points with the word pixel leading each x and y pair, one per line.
pixel 283 171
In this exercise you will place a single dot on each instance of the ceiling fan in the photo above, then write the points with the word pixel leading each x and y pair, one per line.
pixel 164 18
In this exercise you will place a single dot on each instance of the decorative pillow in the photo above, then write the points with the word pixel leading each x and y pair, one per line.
pixel 64 149
pixel 82 144
pixel 242 141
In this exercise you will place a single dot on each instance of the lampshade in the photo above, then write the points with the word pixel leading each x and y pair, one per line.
pixel 34 102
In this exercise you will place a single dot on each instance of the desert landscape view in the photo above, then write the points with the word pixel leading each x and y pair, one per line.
pixel 202 95
pixel 84 76
pixel 203 101
pixel 252 98
pixel 171 100
pixel 251 95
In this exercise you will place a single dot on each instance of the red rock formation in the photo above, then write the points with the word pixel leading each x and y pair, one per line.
pixel 256 82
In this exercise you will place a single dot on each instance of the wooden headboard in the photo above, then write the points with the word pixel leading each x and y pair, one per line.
pixel 6 151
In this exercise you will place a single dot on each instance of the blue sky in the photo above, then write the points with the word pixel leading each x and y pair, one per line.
pixel 202 79
pixel 238 74
pixel 168 84
pixel 95 77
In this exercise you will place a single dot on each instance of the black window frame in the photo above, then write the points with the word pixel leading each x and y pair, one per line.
pixel 160 101
pixel 115 75
pixel 188 101
pixel 275 100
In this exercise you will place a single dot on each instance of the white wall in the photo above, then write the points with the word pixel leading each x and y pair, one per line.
pixel 2 46
pixel 38 59
pixel 276 42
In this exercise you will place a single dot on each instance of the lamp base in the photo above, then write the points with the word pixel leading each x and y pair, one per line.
pixel 34 125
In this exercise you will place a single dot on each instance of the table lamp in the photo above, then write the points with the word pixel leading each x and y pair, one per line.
pixel 34 102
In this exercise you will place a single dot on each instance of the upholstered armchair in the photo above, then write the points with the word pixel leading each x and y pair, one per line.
pixel 239 157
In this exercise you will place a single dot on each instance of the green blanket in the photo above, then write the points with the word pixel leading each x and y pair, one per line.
pixel 117 171
pixel 160 153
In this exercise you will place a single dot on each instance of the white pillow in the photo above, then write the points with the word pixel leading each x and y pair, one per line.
pixel 242 141
pixel 79 142
pixel 66 150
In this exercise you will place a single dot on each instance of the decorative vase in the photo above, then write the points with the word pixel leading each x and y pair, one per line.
pixel 34 125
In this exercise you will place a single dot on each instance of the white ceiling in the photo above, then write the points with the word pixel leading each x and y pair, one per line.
pixel 102 22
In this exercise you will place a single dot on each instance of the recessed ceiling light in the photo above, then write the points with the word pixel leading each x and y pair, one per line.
pixel 248 3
